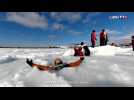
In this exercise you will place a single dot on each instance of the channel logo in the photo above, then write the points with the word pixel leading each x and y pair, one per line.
pixel 118 17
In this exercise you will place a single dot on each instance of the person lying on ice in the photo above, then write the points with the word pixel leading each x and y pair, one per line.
pixel 58 64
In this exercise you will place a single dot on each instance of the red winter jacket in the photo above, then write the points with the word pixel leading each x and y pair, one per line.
pixel 78 52
pixel 93 37
pixel 103 35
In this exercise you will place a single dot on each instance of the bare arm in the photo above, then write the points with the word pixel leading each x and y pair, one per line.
pixel 40 67
pixel 76 63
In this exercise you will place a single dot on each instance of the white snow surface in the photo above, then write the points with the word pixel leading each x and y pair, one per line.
pixel 107 66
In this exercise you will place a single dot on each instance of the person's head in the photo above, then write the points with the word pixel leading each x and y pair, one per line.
pixel 82 43
pixel 103 30
pixel 93 31
pixel 58 61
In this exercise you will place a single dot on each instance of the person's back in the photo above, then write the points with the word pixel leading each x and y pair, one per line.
pixel 102 35
pixel 78 51
pixel 103 38
pixel 93 36
pixel 75 51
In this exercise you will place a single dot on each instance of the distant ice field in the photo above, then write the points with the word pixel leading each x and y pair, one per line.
pixel 107 66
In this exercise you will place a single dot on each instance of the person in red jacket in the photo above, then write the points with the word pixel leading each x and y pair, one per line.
pixel 103 38
pixel 93 38
pixel 78 51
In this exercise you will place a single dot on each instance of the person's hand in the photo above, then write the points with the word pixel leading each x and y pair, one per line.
pixel 29 62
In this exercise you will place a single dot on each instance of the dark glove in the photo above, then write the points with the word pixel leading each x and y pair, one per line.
pixel 29 62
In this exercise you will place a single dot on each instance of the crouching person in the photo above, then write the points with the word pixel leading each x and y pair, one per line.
pixel 86 49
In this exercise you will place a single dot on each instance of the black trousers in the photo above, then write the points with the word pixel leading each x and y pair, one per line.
pixel 133 45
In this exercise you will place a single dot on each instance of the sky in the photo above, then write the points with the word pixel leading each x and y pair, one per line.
pixel 62 27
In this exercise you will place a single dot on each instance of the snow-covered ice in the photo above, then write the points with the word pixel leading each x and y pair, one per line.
pixel 107 66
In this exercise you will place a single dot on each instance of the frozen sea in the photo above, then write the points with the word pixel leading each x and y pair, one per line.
pixel 107 66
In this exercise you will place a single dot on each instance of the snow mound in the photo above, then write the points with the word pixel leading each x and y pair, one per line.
pixel 110 51
pixel 12 84
pixel 25 76
pixel 107 66
pixel 35 78
pixel 44 79
pixel 104 51
pixel 69 52
pixel 7 59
